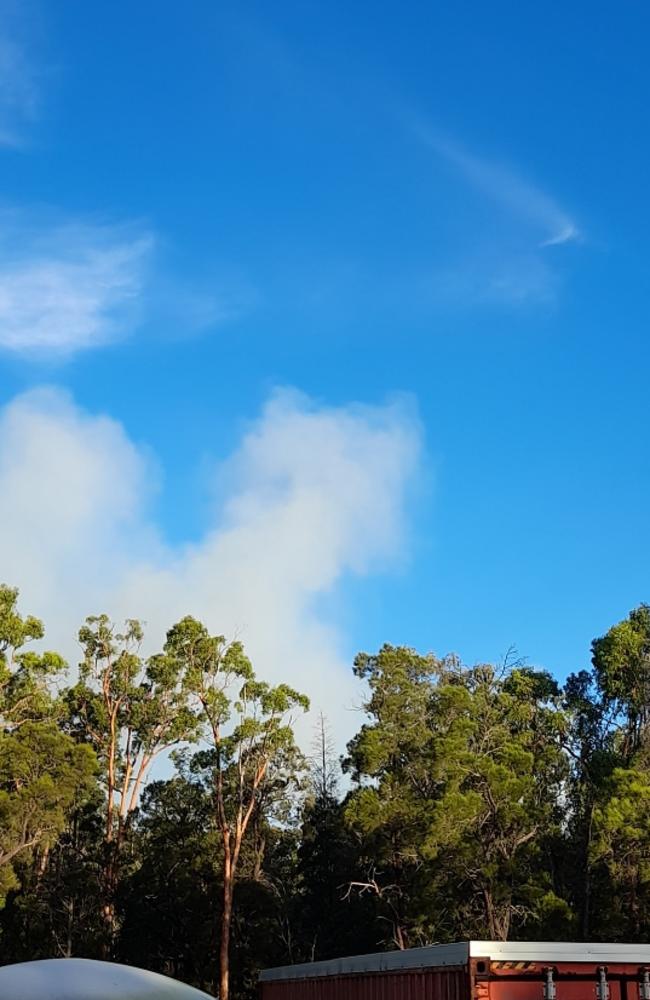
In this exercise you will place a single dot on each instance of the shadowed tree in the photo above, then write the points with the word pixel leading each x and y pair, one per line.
pixel 43 772
pixel 57 910
pixel 169 898
pixel 620 832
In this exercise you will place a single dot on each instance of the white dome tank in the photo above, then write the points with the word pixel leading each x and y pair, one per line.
pixel 84 979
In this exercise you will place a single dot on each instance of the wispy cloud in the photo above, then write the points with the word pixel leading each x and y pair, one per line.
pixel 20 90
pixel 504 260
pixel 507 188
pixel 70 287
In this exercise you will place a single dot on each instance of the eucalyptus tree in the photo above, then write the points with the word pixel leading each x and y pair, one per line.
pixel 251 746
pixel 130 711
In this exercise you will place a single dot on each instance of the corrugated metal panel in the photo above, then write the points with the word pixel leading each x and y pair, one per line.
pixel 429 984
pixel 497 971
pixel 439 955
pixel 518 953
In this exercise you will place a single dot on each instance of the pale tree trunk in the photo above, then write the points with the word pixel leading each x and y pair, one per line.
pixel 42 863
pixel 233 833
pixel 498 918
pixel 232 842
pixel 69 912
pixel 110 847
pixel 232 846
pixel 399 937
pixel 110 884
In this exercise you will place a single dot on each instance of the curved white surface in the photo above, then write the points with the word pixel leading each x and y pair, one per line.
pixel 84 979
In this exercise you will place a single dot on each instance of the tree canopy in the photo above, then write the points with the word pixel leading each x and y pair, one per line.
pixel 483 800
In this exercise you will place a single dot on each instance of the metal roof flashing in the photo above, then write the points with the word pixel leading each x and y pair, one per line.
pixel 442 955
pixel 559 951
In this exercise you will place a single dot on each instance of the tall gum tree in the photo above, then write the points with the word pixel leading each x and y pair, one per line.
pixel 248 726
pixel 130 711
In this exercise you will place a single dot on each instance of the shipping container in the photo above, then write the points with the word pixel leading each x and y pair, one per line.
pixel 472 970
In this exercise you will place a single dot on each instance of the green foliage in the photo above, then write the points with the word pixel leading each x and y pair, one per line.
pixel 56 912
pixel 251 764
pixel 610 748
pixel 621 660
pixel 168 900
pixel 483 801
pixel 24 675
pixel 621 842
pixel 248 722
pixel 128 710
pixel 332 919
pixel 465 768
pixel 44 773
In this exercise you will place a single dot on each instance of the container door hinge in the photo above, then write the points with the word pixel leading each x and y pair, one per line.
pixel 644 984
pixel 549 985
pixel 602 987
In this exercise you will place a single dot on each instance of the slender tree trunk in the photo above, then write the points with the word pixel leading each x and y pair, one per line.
pixel 69 906
pixel 42 863
pixel 109 914
pixel 226 922
pixel 586 901
pixel 399 937
pixel 498 922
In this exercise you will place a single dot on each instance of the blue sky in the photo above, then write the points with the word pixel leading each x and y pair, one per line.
pixel 429 220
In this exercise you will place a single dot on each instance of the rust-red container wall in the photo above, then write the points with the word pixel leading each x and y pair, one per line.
pixel 425 984
pixel 573 981
pixel 479 980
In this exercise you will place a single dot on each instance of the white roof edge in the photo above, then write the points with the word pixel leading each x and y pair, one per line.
pixel 441 955
pixel 559 951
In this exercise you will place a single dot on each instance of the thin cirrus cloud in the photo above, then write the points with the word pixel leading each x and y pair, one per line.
pixel 70 287
pixel 310 496
pixel 19 90
pixel 508 262
pixel 527 203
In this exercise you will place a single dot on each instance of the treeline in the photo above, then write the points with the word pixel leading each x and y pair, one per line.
pixel 483 801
